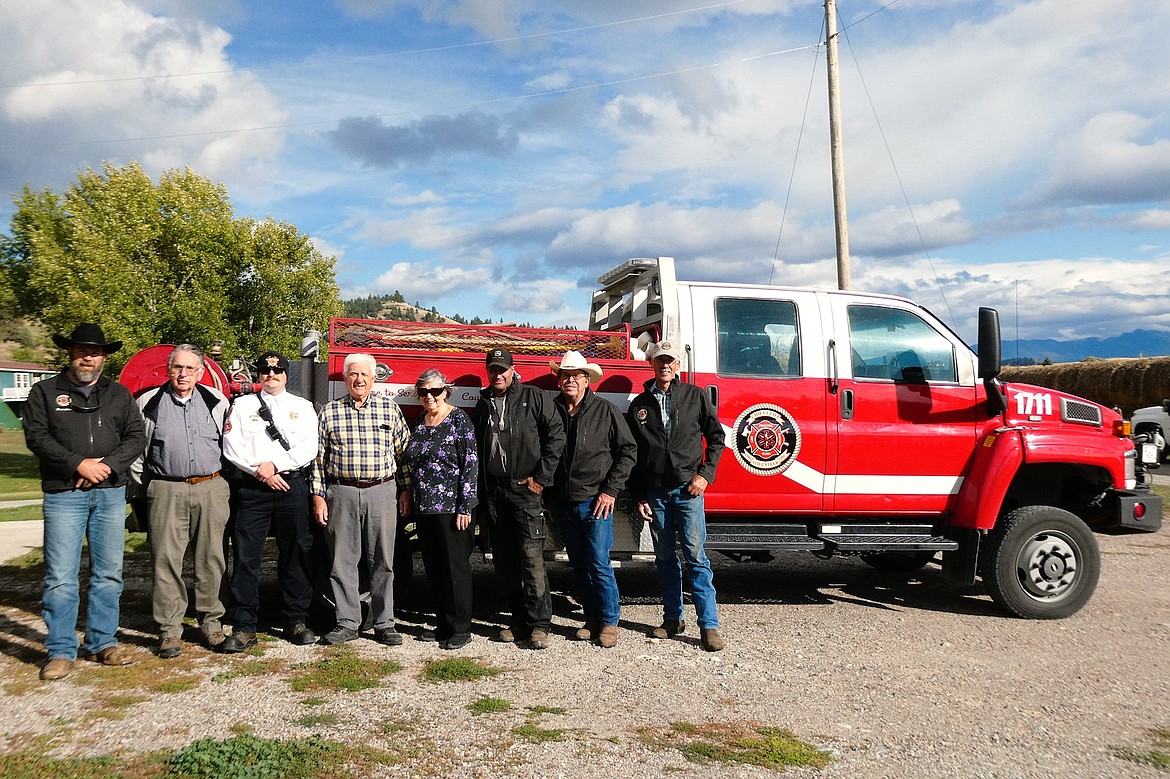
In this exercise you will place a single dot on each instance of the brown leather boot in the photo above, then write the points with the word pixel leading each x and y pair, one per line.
pixel 712 641
pixel 668 628
pixel 608 636
pixel 589 630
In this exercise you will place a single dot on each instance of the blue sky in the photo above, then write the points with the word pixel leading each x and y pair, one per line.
pixel 492 159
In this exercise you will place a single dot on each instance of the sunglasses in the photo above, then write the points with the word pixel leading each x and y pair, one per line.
pixel 277 371
pixel 434 392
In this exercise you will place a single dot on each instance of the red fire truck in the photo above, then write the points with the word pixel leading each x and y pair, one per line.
pixel 856 424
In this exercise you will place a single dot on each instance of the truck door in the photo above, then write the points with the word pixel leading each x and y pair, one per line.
pixel 905 410
pixel 757 353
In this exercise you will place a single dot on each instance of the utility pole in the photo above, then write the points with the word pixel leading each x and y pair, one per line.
pixel 844 280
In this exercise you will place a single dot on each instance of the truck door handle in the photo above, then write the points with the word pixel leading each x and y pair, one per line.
pixel 713 394
pixel 834 381
pixel 847 404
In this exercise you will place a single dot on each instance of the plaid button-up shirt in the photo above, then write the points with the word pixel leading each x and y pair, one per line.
pixel 361 444
pixel 663 399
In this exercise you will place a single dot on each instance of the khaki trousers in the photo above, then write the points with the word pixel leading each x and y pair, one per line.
pixel 183 514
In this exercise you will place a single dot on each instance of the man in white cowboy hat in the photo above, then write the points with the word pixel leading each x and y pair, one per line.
pixel 599 454
pixel 679 440
pixel 86 431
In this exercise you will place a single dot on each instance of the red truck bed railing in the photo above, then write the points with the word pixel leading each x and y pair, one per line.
pixel 376 335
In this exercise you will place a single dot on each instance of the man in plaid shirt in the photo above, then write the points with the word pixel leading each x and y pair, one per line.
pixel 359 468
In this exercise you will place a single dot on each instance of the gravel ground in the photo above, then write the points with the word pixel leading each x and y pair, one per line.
pixel 894 676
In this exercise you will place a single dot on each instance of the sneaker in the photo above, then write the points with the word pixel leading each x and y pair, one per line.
pixel 589 630
pixel 712 641
pixel 237 642
pixel 538 640
pixel 457 641
pixel 300 634
pixel 339 635
pixel 388 636
pixel 504 636
pixel 169 647
pixel 56 668
pixel 668 628
pixel 608 636
pixel 215 639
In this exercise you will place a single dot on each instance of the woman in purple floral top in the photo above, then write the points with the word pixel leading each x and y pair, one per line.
pixel 444 469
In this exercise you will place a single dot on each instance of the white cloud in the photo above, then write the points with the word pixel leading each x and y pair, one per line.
pixel 94 82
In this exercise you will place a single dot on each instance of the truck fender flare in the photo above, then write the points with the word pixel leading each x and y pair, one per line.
pixel 997 461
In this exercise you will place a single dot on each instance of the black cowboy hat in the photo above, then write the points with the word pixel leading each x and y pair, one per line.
pixel 87 334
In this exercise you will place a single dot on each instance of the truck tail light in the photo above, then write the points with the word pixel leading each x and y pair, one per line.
pixel 1121 428
pixel 1139 510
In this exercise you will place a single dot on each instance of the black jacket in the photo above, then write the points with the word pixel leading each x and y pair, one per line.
pixel 663 463
pixel 536 433
pixel 602 455
pixel 62 427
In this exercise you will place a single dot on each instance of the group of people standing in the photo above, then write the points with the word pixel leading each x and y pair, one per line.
pixel 355 469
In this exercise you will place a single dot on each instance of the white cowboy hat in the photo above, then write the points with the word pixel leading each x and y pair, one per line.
pixel 575 361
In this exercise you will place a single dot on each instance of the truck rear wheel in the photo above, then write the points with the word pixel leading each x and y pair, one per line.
pixel 1041 562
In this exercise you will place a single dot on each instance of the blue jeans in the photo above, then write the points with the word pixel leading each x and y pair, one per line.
pixel 588 541
pixel 98 515
pixel 679 517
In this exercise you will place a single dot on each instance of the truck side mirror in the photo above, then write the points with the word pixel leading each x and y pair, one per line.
pixel 989 360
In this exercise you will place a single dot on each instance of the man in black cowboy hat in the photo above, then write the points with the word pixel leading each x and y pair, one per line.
pixel 86 431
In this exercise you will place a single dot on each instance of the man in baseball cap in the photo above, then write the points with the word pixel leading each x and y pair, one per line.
pixel 520 437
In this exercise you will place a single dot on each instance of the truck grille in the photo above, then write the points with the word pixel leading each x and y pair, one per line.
pixel 1079 412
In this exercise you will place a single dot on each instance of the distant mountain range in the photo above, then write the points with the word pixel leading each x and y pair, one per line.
pixel 1135 343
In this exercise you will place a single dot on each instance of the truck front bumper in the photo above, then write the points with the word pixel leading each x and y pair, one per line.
pixel 1132 510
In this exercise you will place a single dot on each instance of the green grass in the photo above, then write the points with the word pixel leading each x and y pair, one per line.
pixel 317 720
pixel 342 670
pixel 21 513
pixel 457 669
pixel 488 705
pixel 732 743
pixel 19 474
pixel 1157 756
pixel 530 731
pixel 251 756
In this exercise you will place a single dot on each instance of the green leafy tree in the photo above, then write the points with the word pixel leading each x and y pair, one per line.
pixel 164 263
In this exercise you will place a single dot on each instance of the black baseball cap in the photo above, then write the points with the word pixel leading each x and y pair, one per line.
pixel 499 356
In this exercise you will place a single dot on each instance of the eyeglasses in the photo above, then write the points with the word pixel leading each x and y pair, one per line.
pixel 269 369
pixel 434 392
pixel 576 378
pixel 181 369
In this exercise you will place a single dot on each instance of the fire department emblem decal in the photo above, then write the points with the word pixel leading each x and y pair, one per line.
pixel 767 439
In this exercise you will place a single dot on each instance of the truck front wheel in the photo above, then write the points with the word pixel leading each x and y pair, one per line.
pixel 1041 562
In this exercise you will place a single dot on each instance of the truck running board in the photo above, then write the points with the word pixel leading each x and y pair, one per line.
pixel 883 538
pixel 758 536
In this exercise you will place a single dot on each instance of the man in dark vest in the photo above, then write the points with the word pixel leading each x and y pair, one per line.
pixel 186 496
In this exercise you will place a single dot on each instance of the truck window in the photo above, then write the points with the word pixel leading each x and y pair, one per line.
pixel 757 337
pixel 893 344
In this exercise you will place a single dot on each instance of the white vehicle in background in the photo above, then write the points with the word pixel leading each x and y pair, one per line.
pixel 1152 422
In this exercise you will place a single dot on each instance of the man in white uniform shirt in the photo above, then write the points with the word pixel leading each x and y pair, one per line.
pixel 272 438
